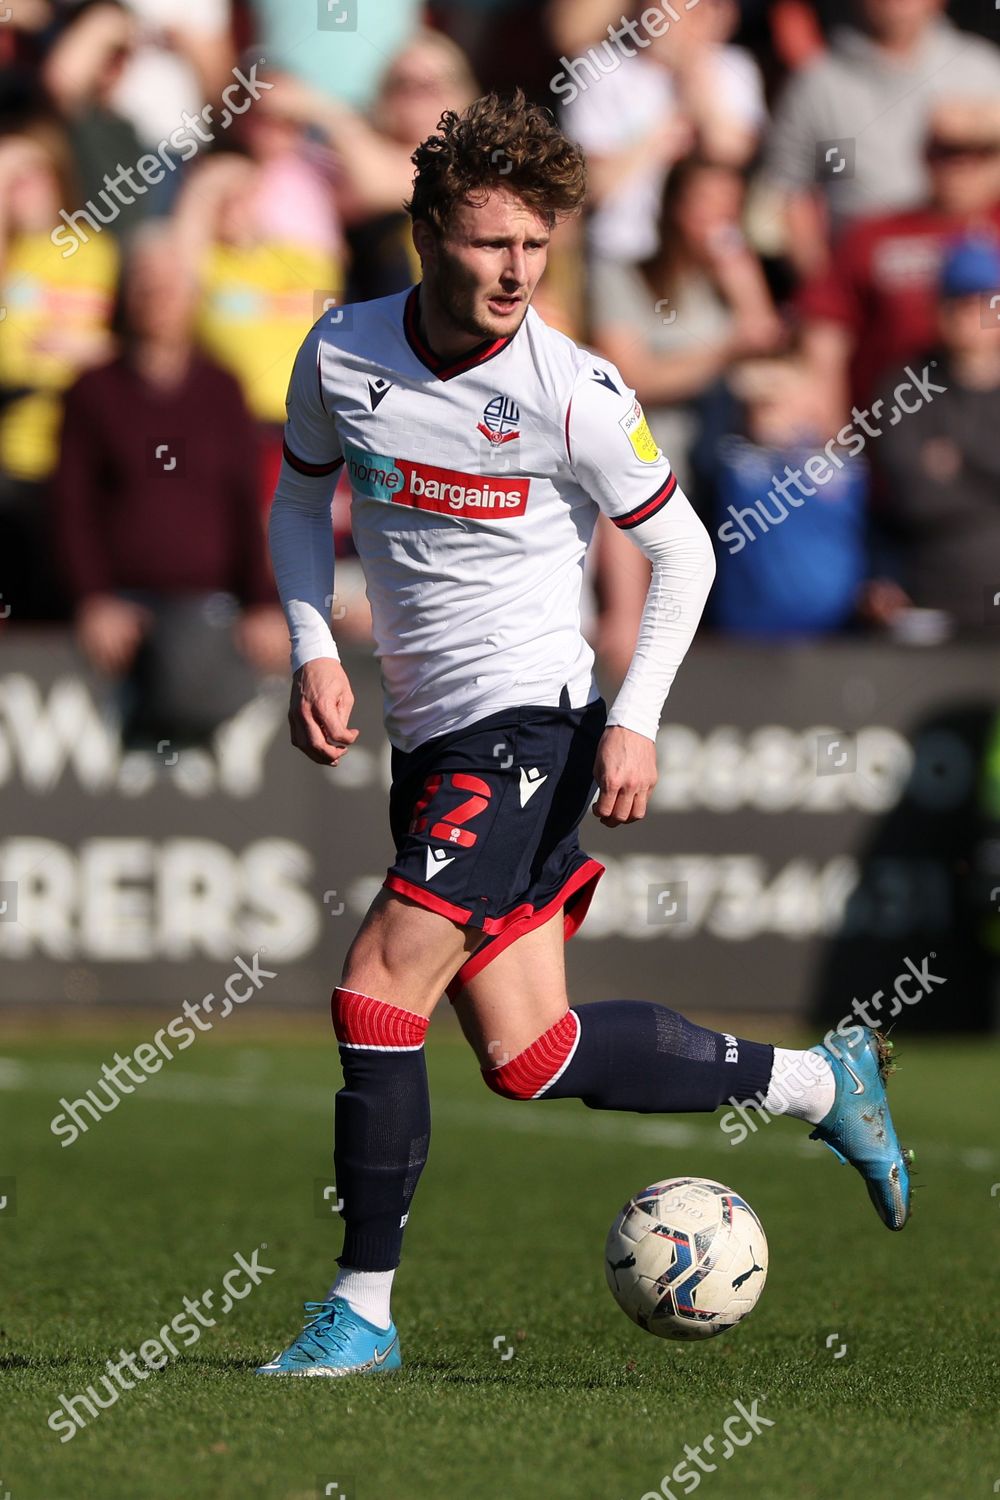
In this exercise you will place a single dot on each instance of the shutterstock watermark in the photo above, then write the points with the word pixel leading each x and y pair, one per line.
pixel 908 987
pixel 578 73
pixel 835 159
pixel 684 1474
pixel 150 1056
pixel 152 166
pixel 66 1419
pixel 822 467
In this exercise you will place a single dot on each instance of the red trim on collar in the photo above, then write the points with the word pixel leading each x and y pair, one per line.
pixel 445 369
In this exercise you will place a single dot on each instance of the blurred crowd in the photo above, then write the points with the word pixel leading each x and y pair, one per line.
pixel 791 250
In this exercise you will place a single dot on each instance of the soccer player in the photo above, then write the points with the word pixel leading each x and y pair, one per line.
pixel 480 446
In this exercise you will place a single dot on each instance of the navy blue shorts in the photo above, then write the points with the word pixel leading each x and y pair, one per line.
pixel 485 824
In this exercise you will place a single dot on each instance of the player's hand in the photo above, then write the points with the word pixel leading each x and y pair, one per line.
pixel 320 708
pixel 625 772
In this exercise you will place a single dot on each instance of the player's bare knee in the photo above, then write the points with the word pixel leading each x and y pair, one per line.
pixel 404 954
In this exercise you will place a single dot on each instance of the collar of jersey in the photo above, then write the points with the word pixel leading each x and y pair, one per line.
pixel 442 368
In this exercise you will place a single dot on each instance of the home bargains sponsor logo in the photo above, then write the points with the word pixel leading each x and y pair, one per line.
pixel 424 487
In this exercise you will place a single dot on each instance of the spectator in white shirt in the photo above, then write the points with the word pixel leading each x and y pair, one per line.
pixel 639 103
pixel 848 135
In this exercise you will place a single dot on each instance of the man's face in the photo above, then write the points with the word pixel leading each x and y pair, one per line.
pixel 483 271
pixel 161 295
pixel 962 326
pixel 899 21
pixel 420 85
pixel 964 179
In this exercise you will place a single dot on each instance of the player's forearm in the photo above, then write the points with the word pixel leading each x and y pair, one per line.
pixel 300 534
pixel 683 561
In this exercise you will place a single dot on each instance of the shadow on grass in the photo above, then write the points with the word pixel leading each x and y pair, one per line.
pixel 220 1363
pixel 416 1372
pixel 526 1376
pixel 38 1362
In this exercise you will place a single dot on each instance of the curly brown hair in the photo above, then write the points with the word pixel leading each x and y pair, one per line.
pixel 497 142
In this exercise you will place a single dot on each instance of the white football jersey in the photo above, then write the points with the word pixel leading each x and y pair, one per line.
pixel 476 487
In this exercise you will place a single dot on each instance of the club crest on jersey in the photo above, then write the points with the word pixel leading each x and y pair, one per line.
pixel 636 429
pixel 501 421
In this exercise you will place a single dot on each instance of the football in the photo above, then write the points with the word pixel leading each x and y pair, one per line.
pixel 686 1258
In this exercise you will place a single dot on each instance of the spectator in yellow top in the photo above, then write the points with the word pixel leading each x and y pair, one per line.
pixel 261 227
pixel 55 315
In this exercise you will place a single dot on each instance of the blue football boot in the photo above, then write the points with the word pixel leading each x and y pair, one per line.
pixel 337 1341
pixel 859 1128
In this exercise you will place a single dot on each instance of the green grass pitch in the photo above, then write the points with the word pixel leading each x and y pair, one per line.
pixel 222 1152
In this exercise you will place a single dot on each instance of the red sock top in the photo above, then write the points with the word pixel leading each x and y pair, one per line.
pixel 361 1021
pixel 534 1069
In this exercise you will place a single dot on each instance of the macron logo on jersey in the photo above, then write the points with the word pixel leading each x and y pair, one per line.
pixel 603 378
pixel 398 481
